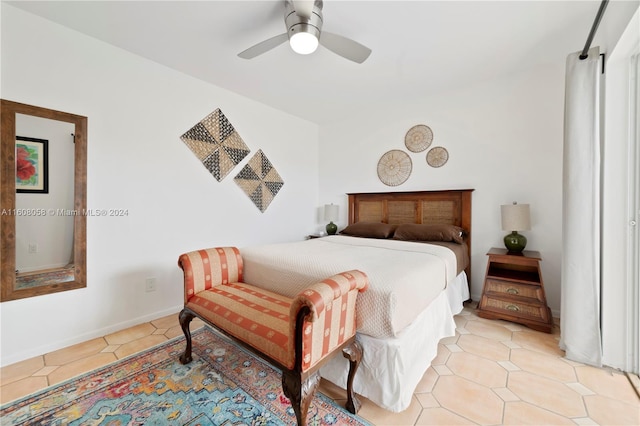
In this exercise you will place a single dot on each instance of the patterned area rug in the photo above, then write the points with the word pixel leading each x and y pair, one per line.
pixel 223 385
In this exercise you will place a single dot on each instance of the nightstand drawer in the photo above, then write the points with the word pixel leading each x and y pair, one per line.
pixel 513 290
pixel 537 311
pixel 498 287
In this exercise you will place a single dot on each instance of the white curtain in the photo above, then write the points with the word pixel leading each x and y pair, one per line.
pixel 580 297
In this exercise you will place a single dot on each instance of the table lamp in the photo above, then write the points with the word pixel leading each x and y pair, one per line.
pixel 331 214
pixel 515 217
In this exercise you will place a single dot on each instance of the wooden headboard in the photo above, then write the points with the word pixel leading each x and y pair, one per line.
pixel 429 207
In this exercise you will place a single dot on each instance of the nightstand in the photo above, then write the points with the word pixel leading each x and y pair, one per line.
pixel 514 291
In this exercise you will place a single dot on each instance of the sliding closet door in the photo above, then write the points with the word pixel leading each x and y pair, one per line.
pixel 621 205
pixel 633 284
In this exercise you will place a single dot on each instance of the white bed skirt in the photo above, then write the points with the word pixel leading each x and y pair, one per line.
pixel 392 368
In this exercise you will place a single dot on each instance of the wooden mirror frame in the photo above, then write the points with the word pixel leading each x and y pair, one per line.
pixel 8 111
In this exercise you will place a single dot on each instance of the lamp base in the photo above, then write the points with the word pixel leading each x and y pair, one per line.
pixel 515 242
pixel 332 228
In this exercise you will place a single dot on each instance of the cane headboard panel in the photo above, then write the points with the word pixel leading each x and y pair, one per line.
pixel 451 207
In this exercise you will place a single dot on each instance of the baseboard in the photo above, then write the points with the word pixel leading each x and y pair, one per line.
pixel 101 332
pixel 476 297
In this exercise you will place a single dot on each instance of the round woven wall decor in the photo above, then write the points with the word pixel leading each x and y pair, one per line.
pixel 418 138
pixel 437 157
pixel 394 167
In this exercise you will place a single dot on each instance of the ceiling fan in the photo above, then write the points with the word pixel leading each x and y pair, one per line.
pixel 303 19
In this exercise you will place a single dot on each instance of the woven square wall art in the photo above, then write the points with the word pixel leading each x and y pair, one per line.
pixel 217 144
pixel 259 180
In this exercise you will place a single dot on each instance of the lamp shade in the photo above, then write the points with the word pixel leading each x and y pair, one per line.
pixel 331 212
pixel 515 217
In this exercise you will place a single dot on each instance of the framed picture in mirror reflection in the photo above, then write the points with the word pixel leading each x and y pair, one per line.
pixel 32 161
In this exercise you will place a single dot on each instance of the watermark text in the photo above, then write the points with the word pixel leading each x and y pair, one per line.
pixel 35 212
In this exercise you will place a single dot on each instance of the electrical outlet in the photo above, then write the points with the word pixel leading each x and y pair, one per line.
pixel 33 248
pixel 150 285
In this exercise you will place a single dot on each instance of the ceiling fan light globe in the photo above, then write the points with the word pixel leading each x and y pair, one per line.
pixel 303 43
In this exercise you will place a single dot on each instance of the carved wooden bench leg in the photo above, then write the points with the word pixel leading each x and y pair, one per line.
pixel 353 352
pixel 299 392
pixel 185 318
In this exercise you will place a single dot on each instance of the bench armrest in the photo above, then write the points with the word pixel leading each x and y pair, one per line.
pixel 323 317
pixel 322 295
pixel 207 268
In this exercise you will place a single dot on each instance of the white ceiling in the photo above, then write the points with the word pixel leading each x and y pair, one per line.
pixel 419 47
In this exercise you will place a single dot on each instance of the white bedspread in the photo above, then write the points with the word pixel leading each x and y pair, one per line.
pixel 391 368
pixel 404 276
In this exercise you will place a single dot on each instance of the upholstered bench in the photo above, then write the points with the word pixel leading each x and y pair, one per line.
pixel 296 335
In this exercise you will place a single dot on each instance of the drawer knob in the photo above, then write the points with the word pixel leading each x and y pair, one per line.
pixel 512 290
pixel 513 308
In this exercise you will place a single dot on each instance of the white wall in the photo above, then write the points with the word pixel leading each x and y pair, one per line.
pixel 136 112
pixel 504 139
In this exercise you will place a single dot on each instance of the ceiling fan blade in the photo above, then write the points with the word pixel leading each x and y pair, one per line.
pixel 345 47
pixel 303 8
pixel 263 46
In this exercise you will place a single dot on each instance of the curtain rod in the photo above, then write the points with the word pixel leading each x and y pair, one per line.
pixel 594 28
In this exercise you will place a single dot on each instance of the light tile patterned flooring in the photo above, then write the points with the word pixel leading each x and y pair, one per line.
pixel 491 372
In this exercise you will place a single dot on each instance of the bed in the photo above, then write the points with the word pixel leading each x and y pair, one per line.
pixel 414 246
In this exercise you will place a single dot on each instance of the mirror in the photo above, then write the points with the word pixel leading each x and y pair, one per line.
pixel 42 202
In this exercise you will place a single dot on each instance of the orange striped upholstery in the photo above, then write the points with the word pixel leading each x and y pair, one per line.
pixel 333 314
pixel 204 269
pixel 258 317
pixel 266 320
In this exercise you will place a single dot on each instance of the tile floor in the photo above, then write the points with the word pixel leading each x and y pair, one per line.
pixel 491 372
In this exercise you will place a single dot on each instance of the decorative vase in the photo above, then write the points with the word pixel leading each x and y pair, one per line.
pixel 332 228
pixel 515 242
